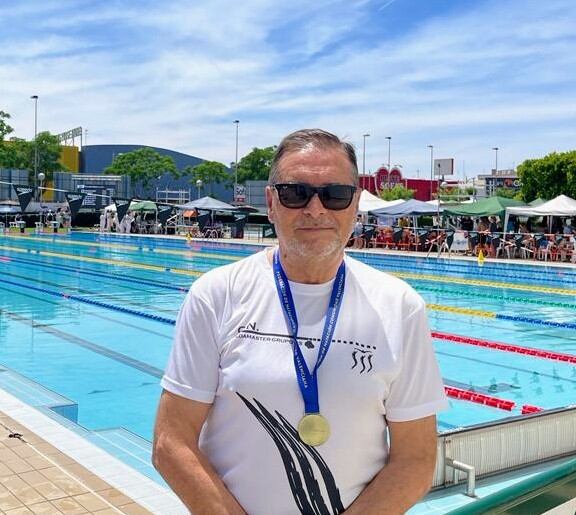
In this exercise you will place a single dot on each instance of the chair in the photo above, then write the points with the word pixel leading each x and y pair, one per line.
pixel 238 228
pixel 473 240
pixel 398 238
pixel 368 235
pixel 421 239
pixel 446 245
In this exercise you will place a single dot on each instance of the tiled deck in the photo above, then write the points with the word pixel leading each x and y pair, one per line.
pixel 37 478
pixel 51 470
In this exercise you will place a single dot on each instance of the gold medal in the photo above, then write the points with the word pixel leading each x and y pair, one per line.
pixel 313 429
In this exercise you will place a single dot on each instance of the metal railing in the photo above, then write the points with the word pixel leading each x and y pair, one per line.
pixel 502 446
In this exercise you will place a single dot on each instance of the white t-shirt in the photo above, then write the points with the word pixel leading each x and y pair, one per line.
pixel 231 349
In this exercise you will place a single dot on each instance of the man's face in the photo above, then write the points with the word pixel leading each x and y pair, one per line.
pixel 313 230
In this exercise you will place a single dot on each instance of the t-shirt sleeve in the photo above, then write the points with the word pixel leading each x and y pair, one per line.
pixel 193 365
pixel 418 390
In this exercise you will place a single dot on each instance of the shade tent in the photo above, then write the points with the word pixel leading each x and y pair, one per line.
pixel 135 205
pixel 410 207
pixel 143 205
pixel 369 202
pixel 208 204
pixel 485 207
pixel 559 206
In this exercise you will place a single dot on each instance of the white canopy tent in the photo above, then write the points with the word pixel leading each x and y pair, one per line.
pixel 562 205
pixel 369 202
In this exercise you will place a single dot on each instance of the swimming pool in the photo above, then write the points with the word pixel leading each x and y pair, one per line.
pixel 89 317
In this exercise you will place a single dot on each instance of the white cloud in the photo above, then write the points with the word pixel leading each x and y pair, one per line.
pixel 175 74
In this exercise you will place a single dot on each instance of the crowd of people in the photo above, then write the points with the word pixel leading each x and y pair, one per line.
pixel 130 223
pixel 484 234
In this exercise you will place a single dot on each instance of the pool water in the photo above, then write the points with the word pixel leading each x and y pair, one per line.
pixel 90 318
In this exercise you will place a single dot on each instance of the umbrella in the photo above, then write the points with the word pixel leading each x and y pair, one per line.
pixel 142 205
pixel 209 204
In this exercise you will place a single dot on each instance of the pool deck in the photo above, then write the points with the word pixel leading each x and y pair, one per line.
pixel 51 470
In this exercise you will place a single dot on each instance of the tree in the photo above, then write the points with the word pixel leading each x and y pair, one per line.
pixel 20 154
pixel 255 166
pixel 49 150
pixel 5 129
pixel 397 192
pixel 548 177
pixel 209 172
pixel 144 164
pixel 506 192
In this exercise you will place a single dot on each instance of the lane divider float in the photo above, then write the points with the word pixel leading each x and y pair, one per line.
pixel 463 293
pixel 498 316
pixel 84 300
pixel 479 398
pixel 489 284
pixel 138 248
pixel 127 264
pixel 94 273
pixel 507 347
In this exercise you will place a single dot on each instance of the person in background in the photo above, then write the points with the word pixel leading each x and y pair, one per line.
pixel 357 233
pixel 301 380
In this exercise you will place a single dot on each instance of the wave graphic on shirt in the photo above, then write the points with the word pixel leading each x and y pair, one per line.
pixel 296 456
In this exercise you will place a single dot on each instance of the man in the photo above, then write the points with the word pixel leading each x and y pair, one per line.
pixel 357 233
pixel 290 366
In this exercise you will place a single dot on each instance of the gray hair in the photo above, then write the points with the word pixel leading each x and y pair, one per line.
pixel 306 139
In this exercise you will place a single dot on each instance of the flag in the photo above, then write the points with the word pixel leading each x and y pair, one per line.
pixel 25 194
pixel 122 206
pixel 75 201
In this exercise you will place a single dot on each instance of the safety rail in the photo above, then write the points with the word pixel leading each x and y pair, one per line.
pixel 504 445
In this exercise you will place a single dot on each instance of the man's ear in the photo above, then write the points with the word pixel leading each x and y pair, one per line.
pixel 269 195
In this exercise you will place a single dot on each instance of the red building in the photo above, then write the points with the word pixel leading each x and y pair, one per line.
pixel 424 188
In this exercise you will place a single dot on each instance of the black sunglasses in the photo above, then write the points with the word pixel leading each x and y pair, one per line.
pixel 333 196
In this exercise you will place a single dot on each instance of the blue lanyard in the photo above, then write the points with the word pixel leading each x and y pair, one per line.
pixel 308 382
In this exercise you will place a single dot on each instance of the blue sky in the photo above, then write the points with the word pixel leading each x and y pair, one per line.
pixel 462 75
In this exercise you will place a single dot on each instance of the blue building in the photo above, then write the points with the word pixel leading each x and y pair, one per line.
pixel 94 159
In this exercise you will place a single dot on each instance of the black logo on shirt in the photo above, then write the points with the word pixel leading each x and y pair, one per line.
pixel 300 462
pixel 361 356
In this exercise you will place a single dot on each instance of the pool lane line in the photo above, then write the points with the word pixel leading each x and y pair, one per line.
pixel 106 305
pixel 84 291
pixel 499 297
pixel 507 347
pixel 184 252
pixel 489 284
pixel 495 364
pixel 435 307
pixel 539 274
pixel 127 264
pixel 94 273
pixel 498 316
pixel 479 398
pixel 94 347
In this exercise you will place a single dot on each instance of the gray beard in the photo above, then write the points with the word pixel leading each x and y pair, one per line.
pixel 307 252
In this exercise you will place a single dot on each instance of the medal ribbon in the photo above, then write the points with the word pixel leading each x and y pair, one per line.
pixel 308 382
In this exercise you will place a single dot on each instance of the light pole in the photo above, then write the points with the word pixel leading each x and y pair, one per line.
pixel 389 138
pixel 431 147
pixel 41 178
pixel 35 98
pixel 237 122
pixel 364 153
pixel 199 186
pixel 495 149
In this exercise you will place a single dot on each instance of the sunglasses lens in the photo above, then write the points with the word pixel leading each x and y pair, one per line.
pixel 293 195
pixel 333 196
pixel 337 196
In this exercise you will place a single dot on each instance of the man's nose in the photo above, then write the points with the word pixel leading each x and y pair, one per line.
pixel 315 207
